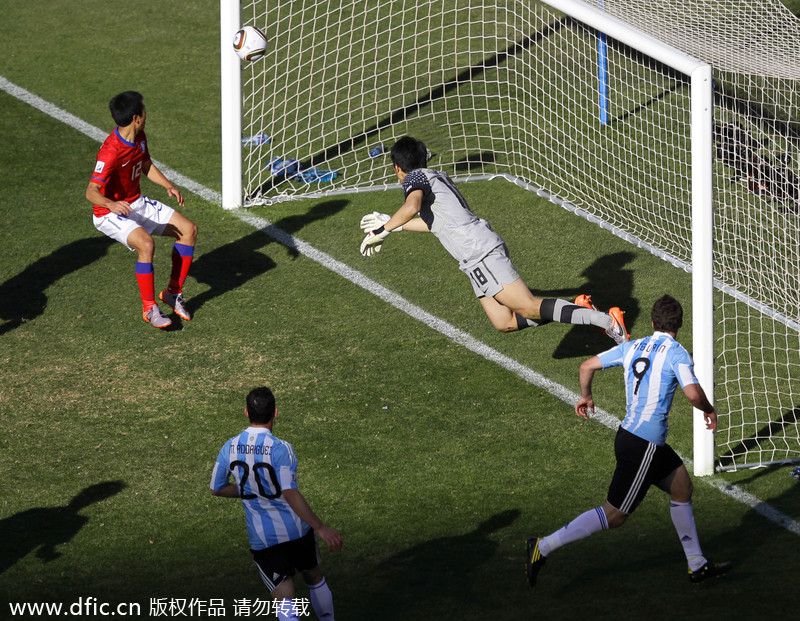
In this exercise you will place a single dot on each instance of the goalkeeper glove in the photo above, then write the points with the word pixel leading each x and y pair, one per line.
pixel 375 220
pixel 373 241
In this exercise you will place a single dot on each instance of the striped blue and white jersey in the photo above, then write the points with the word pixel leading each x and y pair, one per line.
pixel 464 235
pixel 654 367
pixel 262 466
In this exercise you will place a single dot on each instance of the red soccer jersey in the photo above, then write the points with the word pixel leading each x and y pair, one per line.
pixel 119 168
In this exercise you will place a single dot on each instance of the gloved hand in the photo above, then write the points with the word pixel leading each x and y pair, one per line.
pixel 373 241
pixel 375 220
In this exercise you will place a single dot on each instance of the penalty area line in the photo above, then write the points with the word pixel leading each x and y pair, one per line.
pixel 357 278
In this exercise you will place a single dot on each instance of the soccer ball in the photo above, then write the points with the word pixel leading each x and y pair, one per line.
pixel 250 43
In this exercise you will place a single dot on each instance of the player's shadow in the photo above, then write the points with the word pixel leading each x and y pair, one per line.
pixel 230 266
pixel 609 284
pixel 475 161
pixel 446 572
pixel 774 429
pixel 22 297
pixel 44 528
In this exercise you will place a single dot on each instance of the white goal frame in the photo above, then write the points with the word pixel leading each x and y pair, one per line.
pixel 702 139
pixel 702 191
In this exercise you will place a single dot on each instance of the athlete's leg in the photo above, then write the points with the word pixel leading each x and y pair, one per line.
pixel 502 317
pixel 185 233
pixel 283 594
pixel 320 592
pixel 182 229
pixel 520 301
pixel 679 486
pixel 142 243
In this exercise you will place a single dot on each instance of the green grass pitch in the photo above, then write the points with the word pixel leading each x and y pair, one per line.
pixel 434 463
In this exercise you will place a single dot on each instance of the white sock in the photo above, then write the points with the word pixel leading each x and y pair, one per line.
pixel 285 610
pixel 585 524
pixel 322 600
pixel 683 519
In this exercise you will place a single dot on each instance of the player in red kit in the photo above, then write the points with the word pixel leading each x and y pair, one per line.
pixel 124 214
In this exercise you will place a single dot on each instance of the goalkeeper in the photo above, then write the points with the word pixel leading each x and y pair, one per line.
pixel 481 253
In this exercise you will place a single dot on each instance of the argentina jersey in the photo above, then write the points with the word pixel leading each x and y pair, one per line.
pixel 262 467
pixel 654 367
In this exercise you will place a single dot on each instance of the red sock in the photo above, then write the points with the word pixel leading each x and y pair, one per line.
pixel 144 277
pixel 182 256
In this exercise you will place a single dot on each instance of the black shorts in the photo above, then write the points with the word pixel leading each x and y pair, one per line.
pixel 640 464
pixel 279 562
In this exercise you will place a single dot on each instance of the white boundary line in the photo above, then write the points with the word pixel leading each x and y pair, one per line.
pixel 354 276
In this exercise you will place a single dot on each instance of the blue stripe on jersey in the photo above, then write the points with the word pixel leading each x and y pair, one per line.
pixel 654 367
pixel 262 466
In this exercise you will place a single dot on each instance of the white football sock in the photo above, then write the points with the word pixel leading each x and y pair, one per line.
pixel 585 524
pixel 322 600
pixel 683 519
pixel 285 610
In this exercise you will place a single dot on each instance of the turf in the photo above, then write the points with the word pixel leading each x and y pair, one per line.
pixel 434 463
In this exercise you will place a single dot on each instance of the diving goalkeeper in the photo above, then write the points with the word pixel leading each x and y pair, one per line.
pixel 434 204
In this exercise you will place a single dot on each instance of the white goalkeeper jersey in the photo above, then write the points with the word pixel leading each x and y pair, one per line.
pixel 654 367
pixel 464 235
pixel 262 466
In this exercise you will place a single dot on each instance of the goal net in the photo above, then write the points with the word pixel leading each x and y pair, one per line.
pixel 754 46
pixel 521 90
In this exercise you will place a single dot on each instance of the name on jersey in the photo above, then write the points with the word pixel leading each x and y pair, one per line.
pixel 648 347
pixel 250 449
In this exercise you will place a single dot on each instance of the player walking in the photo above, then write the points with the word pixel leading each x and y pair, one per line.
pixel 124 214
pixel 280 523
pixel 481 253
pixel 654 367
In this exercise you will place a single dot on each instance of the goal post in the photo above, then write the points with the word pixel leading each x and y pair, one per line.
pixel 230 105
pixel 610 108
pixel 702 196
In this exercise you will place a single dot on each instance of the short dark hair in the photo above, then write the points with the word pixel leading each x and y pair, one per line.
pixel 667 314
pixel 260 405
pixel 125 106
pixel 409 154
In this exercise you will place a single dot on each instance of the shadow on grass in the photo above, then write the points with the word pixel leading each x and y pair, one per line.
pixel 22 297
pixel 44 528
pixel 230 266
pixel 444 573
pixel 766 435
pixel 609 284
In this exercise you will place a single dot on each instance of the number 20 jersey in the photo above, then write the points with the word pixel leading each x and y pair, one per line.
pixel 654 366
pixel 262 467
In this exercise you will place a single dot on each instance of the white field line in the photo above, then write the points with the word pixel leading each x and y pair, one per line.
pixel 357 278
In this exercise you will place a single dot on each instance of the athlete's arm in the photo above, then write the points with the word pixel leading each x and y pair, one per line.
pixel 157 177
pixel 231 490
pixel 95 197
pixel 586 374
pixel 301 507
pixel 697 397
pixel 405 215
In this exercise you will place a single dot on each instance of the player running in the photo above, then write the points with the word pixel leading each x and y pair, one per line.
pixel 481 253
pixel 122 213
pixel 281 525
pixel 654 367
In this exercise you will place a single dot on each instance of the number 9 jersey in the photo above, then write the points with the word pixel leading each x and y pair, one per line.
pixel 654 367
pixel 262 467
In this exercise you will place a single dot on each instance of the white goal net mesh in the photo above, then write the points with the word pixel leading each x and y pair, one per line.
pixel 515 88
